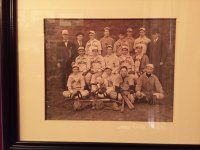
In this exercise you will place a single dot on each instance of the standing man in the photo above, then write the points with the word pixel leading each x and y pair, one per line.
pixel 130 40
pixel 142 39
pixel 156 53
pixel 66 54
pixel 119 43
pixel 106 40
pixel 79 40
pixel 92 43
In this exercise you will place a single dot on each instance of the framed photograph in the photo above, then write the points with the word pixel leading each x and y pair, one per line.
pixel 100 74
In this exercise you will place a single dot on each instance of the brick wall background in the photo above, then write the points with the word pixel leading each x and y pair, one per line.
pixel 53 28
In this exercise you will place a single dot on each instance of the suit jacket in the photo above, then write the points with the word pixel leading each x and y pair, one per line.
pixel 77 45
pixel 66 55
pixel 156 52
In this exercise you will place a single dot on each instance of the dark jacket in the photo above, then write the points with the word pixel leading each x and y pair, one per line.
pixel 156 52
pixel 65 56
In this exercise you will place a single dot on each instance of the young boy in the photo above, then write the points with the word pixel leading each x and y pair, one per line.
pixel 124 83
pixel 75 85
pixel 142 39
pixel 148 86
pixel 140 59
pixel 119 43
pixel 96 65
pixel 82 61
pixel 126 60
pixel 111 60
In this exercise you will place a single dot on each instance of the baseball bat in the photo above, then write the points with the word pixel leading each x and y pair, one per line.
pixel 128 102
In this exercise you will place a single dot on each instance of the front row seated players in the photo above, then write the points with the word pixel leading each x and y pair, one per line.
pixel 75 85
pixel 148 86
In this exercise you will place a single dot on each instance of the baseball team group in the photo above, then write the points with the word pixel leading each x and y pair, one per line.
pixel 125 71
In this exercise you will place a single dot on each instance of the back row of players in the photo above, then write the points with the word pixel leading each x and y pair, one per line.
pixel 105 69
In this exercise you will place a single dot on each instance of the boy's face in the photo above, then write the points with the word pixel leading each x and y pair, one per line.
pixel 142 33
pixel 154 36
pixel 80 37
pixel 109 50
pixel 75 70
pixel 138 50
pixel 95 52
pixel 149 70
pixel 106 32
pixel 121 36
pixel 129 32
pixel 124 51
pixel 108 71
pixel 81 52
pixel 91 36
pixel 123 72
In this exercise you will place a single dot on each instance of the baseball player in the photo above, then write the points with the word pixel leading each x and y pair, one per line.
pixel 75 85
pixel 124 83
pixel 129 38
pixel 82 61
pixel 140 59
pixel 148 86
pixel 92 43
pixel 126 60
pixel 111 60
pixel 142 39
pixel 119 43
pixel 106 40
pixel 96 65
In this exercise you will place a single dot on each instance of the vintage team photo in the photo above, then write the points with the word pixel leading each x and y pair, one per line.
pixel 109 69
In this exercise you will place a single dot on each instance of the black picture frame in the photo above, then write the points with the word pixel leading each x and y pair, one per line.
pixel 9 81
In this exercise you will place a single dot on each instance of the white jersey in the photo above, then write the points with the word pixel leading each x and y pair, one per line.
pixel 97 63
pixel 113 62
pixel 75 82
pixel 126 60
pixel 82 62
pixel 89 46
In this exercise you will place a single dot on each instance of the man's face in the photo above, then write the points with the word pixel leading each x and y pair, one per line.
pixel 123 72
pixel 80 37
pixel 154 36
pixel 81 52
pixel 106 32
pixel 149 70
pixel 65 36
pixel 121 36
pixel 138 50
pixel 142 33
pixel 95 52
pixel 124 51
pixel 129 32
pixel 91 36
pixel 109 50
pixel 108 71
pixel 75 70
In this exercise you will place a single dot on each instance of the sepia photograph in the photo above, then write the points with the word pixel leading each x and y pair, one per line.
pixel 109 69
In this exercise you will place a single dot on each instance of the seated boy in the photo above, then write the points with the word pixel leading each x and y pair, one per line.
pixel 82 61
pixel 140 59
pixel 96 66
pixel 75 85
pixel 111 60
pixel 124 84
pixel 148 86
